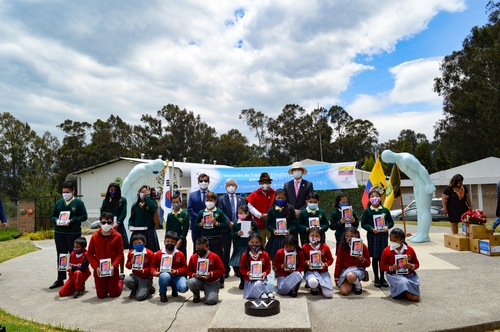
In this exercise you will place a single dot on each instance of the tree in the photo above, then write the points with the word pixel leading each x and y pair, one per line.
pixel 442 162
pixel 423 154
pixel 257 122
pixel 232 148
pixel 358 141
pixel 470 87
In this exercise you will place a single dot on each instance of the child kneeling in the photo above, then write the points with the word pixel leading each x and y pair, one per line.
pixel 255 288
pixel 78 270
pixel 317 276
pixel 289 263
pixel 140 282
pixel 175 277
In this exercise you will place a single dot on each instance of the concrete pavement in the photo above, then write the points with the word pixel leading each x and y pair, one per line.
pixel 458 290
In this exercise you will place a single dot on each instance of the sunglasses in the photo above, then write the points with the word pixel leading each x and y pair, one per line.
pixel 107 222
pixel 203 181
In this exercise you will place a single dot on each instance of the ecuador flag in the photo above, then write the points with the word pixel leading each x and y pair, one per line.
pixel 393 187
pixel 377 179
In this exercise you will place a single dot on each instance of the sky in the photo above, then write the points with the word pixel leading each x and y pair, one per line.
pixel 87 60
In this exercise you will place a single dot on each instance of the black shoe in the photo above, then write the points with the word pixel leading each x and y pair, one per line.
pixel 78 293
pixel 358 291
pixel 221 285
pixel 175 293
pixel 163 298
pixel 132 294
pixel 377 283
pixel 384 283
pixel 242 285
pixel 226 275
pixel 314 291
pixel 57 283
pixel 293 293
pixel 196 299
pixel 122 276
pixel 307 286
pixel 152 290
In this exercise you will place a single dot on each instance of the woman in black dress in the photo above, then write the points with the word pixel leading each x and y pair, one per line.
pixel 456 201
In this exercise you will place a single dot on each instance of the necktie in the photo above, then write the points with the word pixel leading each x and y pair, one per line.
pixel 203 196
pixel 233 209
pixel 297 188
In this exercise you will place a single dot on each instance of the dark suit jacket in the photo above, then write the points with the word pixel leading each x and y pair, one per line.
pixel 224 204
pixel 195 205
pixel 299 202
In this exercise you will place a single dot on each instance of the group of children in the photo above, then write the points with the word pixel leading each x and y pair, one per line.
pixel 252 263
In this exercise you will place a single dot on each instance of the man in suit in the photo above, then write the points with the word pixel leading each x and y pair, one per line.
pixel 229 205
pixel 298 188
pixel 196 203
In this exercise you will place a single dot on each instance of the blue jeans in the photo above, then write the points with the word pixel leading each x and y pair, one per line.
pixel 495 223
pixel 176 282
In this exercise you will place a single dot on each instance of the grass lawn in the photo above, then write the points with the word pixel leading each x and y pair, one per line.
pixel 13 323
pixel 7 233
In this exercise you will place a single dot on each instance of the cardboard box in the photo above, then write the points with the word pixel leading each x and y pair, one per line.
pixel 489 247
pixel 474 245
pixel 456 242
pixel 465 229
pixel 478 232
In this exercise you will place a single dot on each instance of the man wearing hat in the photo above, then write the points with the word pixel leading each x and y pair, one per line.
pixel 298 188
pixel 259 202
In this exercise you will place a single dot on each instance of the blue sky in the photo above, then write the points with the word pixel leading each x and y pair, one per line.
pixel 87 60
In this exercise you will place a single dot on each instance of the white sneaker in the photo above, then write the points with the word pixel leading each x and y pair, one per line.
pixel 270 295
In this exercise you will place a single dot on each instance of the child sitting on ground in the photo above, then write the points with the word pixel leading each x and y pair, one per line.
pixel 317 275
pixel 255 285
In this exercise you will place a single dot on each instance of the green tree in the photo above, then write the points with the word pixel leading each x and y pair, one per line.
pixel 368 163
pixel 442 162
pixel 232 148
pixel 470 87
pixel 423 154
pixel 257 122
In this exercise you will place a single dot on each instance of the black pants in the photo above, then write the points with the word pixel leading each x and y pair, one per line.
pixel 64 245
pixel 226 239
pixel 216 245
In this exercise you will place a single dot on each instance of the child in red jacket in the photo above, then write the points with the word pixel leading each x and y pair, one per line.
pixel 255 286
pixel 401 268
pixel 78 270
pixel 175 277
pixel 289 263
pixel 317 276
pixel 141 280
pixel 205 269
pixel 349 269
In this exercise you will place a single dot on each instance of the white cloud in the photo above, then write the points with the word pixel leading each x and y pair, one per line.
pixel 88 60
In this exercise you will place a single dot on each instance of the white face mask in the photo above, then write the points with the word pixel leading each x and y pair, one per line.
pixel 106 227
pixel 67 196
pixel 297 174
pixel 142 196
pixel 231 189
pixel 203 186
pixel 265 187
pixel 394 245
pixel 209 205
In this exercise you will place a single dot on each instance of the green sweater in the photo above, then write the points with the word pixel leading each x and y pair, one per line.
pixel 367 218
pixel 119 210
pixel 77 215
pixel 340 228
pixel 303 221
pixel 242 241
pixel 274 214
pixel 178 223
pixel 216 231
pixel 144 216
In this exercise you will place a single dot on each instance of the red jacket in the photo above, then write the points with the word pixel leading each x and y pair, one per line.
pixel 345 260
pixel 79 264
pixel 101 247
pixel 147 266
pixel 279 259
pixel 179 262
pixel 262 202
pixel 263 257
pixel 388 259
pixel 326 256
pixel 215 266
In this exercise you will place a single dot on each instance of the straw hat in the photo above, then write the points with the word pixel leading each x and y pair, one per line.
pixel 297 165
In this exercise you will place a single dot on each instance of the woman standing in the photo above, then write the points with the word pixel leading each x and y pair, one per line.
pixel 142 215
pixel 67 225
pixel 115 204
pixel 456 201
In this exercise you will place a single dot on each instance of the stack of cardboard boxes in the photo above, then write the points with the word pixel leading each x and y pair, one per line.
pixel 475 238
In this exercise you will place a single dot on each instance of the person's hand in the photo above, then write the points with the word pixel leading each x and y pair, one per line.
pixel 445 211
pixel 263 217
pixel 375 231
pixel 140 270
pixel 360 257
pixel 395 267
pixel 276 233
pixel 231 225
pixel 157 274
pixel 308 263
pixel 112 271
pixel 386 229
pixel 249 232
pixel 115 226
pixel 68 269
pixel 323 265
pixel 297 212
pixel 342 221
pixel 408 266
pixel 287 232
pixel 98 272
pixel 173 272
pixel 4 224
pixel 202 223
pixel 263 276
pixel 240 233
pixel 178 245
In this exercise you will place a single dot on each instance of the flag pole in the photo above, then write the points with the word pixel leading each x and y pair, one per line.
pixel 171 179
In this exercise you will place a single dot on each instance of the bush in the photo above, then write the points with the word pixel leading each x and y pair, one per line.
pixel 8 234
pixel 43 234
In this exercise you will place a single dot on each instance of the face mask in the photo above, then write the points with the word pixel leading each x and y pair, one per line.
pixel 264 187
pixel 231 189
pixel 348 239
pixel 375 200
pixel 201 253
pixel 281 202
pixel 254 247
pixel 139 247
pixel 176 206
pixel 77 250
pixel 169 247
pixel 209 205
pixel 142 196
pixel 343 204
pixel 67 196
pixel 313 240
pixel 112 193
pixel 312 206
pixel 203 186
pixel 289 250
pixel 242 216
pixel 106 227
pixel 297 174
pixel 394 245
